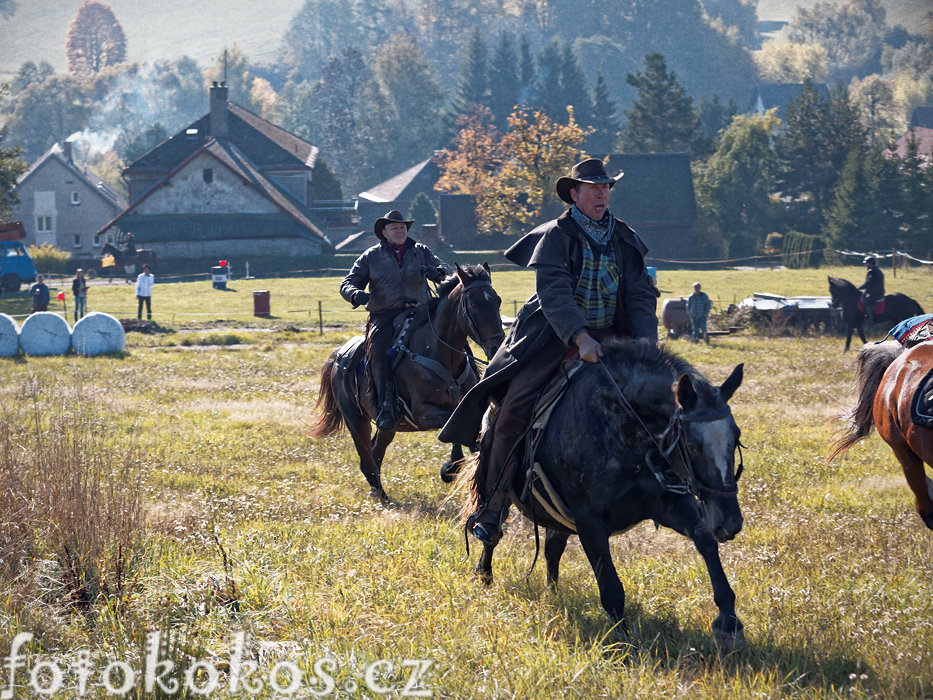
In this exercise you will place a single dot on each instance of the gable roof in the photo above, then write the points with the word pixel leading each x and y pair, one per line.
pixel 262 142
pixel 657 188
pixel 420 177
pixel 235 160
pixel 923 137
pixel 58 153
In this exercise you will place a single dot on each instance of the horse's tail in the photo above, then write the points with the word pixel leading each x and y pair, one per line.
pixel 870 367
pixel 329 419
pixel 466 488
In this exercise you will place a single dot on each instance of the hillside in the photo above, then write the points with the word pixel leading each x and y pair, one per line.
pixel 168 29
pixel 908 13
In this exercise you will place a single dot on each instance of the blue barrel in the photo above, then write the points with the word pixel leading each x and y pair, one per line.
pixel 653 271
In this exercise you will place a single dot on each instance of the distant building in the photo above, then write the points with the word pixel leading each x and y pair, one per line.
pixel 768 95
pixel 922 136
pixel 922 116
pixel 63 203
pixel 230 185
pixel 398 192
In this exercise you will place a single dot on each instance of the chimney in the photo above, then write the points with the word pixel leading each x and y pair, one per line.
pixel 66 151
pixel 218 122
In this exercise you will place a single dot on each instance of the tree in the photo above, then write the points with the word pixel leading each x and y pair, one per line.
pixel 326 184
pixel 855 219
pixel 474 84
pixel 716 116
pixel 787 62
pixel 740 14
pixel 875 100
pixel 734 186
pixel 916 177
pixel 422 211
pixel 8 8
pixel 605 127
pixel 30 73
pixel 476 155
pixel 505 81
pixel 132 146
pixel 11 167
pixel 95 39
pixel 819 131
pixel 663 117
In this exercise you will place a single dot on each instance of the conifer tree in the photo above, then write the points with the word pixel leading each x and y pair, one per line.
pixel 605 127
pixel 854 220
pixel 504 80
pixel 473 87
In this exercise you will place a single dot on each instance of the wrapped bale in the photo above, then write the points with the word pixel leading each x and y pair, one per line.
pixel 45 333
pixel 9 336
pixel 98 333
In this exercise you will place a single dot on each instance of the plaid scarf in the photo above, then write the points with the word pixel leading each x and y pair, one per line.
pixel 597 290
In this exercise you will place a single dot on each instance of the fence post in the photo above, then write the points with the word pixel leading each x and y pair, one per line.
pixel 894 261
pixel 514 308
pixel 320 317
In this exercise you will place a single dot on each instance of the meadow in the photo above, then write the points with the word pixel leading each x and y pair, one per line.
pixel 172 488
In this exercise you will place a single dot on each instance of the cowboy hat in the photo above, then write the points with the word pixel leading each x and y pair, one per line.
pixel 393 217
pixel 591 170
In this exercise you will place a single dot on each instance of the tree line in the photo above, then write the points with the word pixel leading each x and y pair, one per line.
pixel 379 87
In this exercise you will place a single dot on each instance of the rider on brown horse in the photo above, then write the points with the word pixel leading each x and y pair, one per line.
pixel 395 270
pixel 590 283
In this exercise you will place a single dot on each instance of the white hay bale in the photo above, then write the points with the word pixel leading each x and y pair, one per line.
pixel 9 336
pixel 98 333
pixel 45 333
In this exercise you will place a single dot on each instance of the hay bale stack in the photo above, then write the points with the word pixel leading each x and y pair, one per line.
pixel 45 333
pixel 98 333
pixel 9 336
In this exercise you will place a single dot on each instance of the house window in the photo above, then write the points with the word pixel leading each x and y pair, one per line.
pixel 44 224
pixel 77 240
pixel 75 197
pixel 208 174
pixel 95 241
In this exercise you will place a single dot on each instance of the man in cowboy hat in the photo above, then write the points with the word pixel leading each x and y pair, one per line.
pixel 395 270
pixel 872 288
pixel 590 282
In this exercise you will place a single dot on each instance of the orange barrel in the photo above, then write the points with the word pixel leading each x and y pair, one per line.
pixel 261 303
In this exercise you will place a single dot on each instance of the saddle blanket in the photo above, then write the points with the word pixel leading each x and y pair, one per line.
pixel 877 307
pixel 921 406
pixel 912 331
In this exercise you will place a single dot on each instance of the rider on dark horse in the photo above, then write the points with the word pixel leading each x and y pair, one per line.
pixel 129 246
pixel 590 283
pixel 872 288
pixel 394 270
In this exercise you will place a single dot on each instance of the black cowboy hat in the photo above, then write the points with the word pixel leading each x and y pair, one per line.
pixel 869 259
pixel 393 217
pixel 591 170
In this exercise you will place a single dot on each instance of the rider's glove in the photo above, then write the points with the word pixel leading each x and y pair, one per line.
pixel 432 273
pixel 360 298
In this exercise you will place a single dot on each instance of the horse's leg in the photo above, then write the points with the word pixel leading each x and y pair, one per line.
pixel 848 338
pixel 555 542
pixel 917 480
pixel 861 333
pixel 728 633
pixel 594 536
pixel 451 467
pixel 360 431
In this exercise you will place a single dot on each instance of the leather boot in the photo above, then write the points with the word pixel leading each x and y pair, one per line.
pixel 488 525
pixel 386 420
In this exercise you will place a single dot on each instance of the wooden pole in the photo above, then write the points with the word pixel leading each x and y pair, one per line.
pixel 320 317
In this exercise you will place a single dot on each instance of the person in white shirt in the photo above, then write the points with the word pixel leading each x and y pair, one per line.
pixel 144 293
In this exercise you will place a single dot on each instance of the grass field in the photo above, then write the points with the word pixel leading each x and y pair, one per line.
pixel 172 488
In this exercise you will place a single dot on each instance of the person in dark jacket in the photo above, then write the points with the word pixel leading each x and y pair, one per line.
pixel 872 288
pixel 395 270
pixel 590 283
pixel 40 295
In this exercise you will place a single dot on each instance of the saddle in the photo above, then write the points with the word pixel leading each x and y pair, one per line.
pixel 877 306
pixel 921 405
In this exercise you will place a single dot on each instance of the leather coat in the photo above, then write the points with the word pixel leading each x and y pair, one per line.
pixel 555 251
pixel 391 286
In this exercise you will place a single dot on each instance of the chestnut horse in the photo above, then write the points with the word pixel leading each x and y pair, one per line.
pixel 887 377
pixel 434 371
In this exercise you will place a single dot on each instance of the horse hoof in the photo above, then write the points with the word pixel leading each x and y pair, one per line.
pixel 729 641
pixel 379 495
pixel 484 576
pixel 449 471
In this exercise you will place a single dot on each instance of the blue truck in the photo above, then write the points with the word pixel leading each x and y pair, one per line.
pixel 16 265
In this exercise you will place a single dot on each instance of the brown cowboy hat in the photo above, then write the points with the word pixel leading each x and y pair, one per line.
pixel 393 217
pixel 591 170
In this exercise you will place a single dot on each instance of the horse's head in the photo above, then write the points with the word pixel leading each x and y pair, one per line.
pixel 479 307
pixel 709 438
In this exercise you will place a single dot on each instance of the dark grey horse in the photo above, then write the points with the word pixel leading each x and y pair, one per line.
pixel 639 436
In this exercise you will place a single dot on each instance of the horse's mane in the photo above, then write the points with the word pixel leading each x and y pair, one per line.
pixel 656 360
pixel 841 284
pixel 448 283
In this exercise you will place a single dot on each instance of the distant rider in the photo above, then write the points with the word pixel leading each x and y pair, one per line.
pixel 872 288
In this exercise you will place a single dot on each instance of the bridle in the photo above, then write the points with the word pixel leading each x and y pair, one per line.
pixel 463 312
pixel 672 449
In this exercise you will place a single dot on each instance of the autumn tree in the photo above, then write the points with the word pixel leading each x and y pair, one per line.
pixel 95 39
pixel 512 177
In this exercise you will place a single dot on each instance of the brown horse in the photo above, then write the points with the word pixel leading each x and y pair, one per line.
pixel 142 256
pixel 887 377
pixel 434 370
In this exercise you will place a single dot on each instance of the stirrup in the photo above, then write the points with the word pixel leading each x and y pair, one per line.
pixel 386 418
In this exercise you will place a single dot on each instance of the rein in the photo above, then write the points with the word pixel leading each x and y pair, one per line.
pixel 673 435
pixel 472 331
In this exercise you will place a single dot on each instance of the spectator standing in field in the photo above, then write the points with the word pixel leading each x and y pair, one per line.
pixel 40 295
pixel 144 293
pixel 79 289
pixel 698 307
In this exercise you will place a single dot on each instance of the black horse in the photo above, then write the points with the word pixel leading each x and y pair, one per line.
pixel 435 370
pixel 125 260
pixel 640 435
pixel 892 308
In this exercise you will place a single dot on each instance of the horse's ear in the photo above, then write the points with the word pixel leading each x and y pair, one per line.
pixel 461 274
pixel 732 383
pixel 684 392
pixel 486 267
